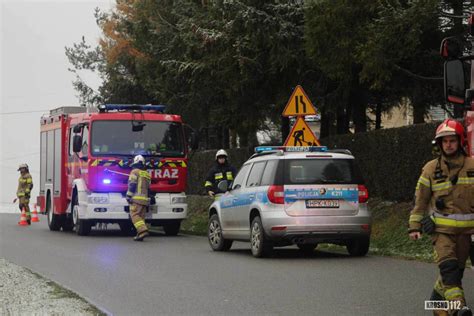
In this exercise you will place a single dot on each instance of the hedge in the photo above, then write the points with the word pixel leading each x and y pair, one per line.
pixel 390 159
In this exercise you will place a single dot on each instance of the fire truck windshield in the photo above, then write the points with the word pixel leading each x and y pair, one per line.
pixel 116 138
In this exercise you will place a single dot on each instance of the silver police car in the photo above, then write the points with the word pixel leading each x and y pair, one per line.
pixel 293 195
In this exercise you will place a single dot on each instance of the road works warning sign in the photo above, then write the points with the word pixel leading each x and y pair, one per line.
pixel 299 104
pixel 301 135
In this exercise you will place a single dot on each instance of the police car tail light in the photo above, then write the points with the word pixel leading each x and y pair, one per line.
pixel 276 194
pixel 363 194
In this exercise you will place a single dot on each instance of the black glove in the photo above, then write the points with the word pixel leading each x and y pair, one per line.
pixel 152 200
pixel 129 199
pixel 428 225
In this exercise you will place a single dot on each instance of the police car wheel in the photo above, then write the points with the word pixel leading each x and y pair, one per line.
pixel 259 244
pixel 307 248
pixel 214 235
pixel 358 247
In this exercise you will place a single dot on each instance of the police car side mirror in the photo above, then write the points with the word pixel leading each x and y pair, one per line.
pixel 77 143
pixel 223 186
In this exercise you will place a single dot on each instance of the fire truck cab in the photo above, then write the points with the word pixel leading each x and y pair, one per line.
pixel 458 82
pixel 86 156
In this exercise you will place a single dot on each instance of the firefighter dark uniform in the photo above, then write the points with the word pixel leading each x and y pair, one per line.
pixel 23 193
pixel 138 186
pixel 445 190
pixel 218 173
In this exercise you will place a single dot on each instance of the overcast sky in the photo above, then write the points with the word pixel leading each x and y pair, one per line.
pixel 34 76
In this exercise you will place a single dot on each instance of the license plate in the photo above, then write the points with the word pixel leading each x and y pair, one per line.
pixel 322 203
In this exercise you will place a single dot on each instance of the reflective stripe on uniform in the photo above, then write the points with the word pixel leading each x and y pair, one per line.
pixel 229 175
pixel 29 180
pixel 139 224
pixel 19 194
pixel 454 223
pixel 218 176
pixel 144 174
pixel 424 181
pixel 415 218
pixel 208 184
pixel 438 287
pixel 457 217
pixel 441 186
pixel 464 180
pixel 140 197
pixel 453 293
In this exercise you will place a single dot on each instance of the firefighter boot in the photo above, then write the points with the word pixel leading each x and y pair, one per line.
pixel 141 236
pixel 465 311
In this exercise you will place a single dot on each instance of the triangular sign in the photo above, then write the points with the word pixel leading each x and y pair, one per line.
pixel 301 135
pixel 299 104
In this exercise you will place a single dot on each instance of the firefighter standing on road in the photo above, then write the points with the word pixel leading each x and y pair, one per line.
pixel 446 191
pixel 137 196
pixel 221 170
pixel 23 193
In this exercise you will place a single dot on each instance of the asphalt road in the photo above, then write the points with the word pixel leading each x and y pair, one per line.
pixel 182 276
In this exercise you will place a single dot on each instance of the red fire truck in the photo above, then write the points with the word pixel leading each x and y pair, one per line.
pixel 459 85
pixel 458 79
pixel 86 157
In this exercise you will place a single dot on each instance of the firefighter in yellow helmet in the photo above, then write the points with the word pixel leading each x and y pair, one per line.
pixel 444 198
pixel 137 196
pixel 23 193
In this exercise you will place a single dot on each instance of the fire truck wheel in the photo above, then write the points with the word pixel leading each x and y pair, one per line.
pixel 172 228
pixel 54 221
pixel 127 229
pixel 83 227
pixel 68 224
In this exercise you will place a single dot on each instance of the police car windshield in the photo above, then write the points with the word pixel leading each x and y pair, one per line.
pixel 322 171
pixel 164 139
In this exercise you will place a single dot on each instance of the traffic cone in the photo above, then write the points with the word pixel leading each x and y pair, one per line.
pixel 34 215
pixel 23 221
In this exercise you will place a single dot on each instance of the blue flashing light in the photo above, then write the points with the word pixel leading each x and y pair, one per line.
pixel 106 181
pixel 132 107
pixel 261 149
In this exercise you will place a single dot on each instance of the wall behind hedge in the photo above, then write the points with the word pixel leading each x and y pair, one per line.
pixel 390 159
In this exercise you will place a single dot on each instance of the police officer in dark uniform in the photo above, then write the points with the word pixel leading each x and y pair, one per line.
pixel 221 170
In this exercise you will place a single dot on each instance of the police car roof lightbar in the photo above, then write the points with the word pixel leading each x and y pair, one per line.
pixel 261 149
pixel 131 107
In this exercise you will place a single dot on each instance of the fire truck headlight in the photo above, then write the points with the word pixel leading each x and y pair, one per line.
pixel 98 200
pixel 106 181
pixel 178 200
